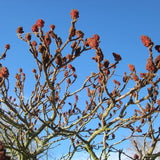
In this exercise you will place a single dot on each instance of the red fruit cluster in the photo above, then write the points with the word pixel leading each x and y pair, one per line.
pixel 4 72
pixel 40 23
pixel 150 65
pixel 146 41
pixel 74 14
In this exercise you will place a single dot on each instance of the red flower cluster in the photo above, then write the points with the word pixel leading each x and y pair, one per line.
pixel 74 14
pixel 4 72
pixel 146 41
pixel 40 23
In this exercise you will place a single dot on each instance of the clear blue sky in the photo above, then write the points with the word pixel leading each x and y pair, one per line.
pixel 119 23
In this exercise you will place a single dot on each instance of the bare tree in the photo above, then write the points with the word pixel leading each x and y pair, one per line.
pixel 54 114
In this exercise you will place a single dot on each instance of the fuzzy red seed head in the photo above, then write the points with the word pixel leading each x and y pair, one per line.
pixel 131 67
pixel 20 30
pixel 68 80
pixel 73 69
pixel 135 77
pixel 93 43
pixel 7 46
pixel 74 75
pixel 28 36
pixel 68 56
pixel 150 65
pixel 96 37
pixel 135 156
pixel 40 23
pixel 69 66
pixel 34 43
pixel 74 14
pixel 4 72
pixel 106 63
pixel 146 41
pixel 79 34
pixel 116 56
pixel 47 39
pixel 20 70
pixel 52 26
pixel 34 70
pixel 34 28
pixel 143 75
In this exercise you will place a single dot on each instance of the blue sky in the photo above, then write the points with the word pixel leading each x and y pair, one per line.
pixel 119 23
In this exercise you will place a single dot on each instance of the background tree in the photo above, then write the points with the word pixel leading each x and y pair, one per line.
pixel 54 114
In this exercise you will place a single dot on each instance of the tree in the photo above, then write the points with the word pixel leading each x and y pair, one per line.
pixel 54 114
